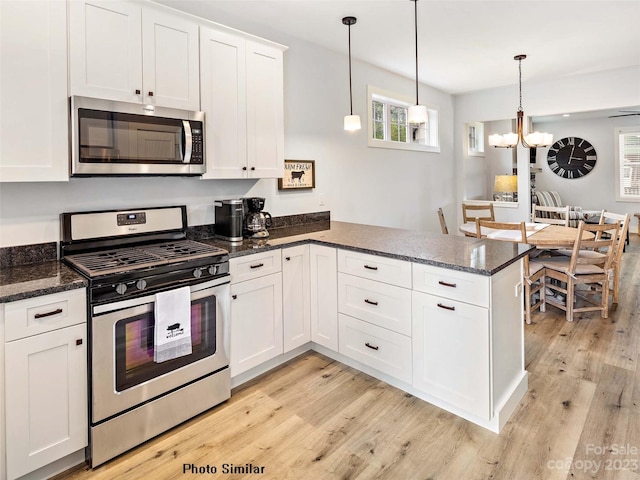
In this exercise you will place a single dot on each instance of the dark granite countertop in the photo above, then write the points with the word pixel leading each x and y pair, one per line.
pixel 475 255
pixel 479 256
pixel 33 280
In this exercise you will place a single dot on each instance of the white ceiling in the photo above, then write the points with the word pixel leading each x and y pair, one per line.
pixel 463 45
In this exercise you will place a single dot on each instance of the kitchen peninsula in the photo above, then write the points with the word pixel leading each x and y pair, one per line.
pixel 439 317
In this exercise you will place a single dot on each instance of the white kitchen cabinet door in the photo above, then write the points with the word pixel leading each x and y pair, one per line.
pixel 171 68
pixel 110 39
pixel 296 291
pixel 451 356
pixel 223 78
pixel 105 50
pixel 265 111
pixel 324 296
pixel 46 398
pixel 34 139
pixel 256 322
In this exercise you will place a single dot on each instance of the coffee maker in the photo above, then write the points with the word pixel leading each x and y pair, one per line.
pixel 256 221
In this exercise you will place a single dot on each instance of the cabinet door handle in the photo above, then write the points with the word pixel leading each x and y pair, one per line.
pixel 257 265
pixel 244 168
pixel 253 168
pixel 446 307
pixel 138 91
pixel 234 296
pixel 287 258
pixel 369 267
pixel 48 314
pixel 151 94
pixel 447 284
pixel 79 341
pixel 372 347
pixel 370 302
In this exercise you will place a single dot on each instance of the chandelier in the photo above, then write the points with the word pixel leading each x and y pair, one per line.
pixel 510 140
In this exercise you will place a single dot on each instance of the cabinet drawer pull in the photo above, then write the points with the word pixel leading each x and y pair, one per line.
pixel 151 94
pixel 48 314
pixel 138 91
pixel 369 267
pixel 446 284
pixel 446 307
pixel 234 296
pixel 258 265
pixel 367 344
pixel 370 302
pixel 287 258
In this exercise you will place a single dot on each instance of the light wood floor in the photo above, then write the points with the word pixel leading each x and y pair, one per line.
pixel 315 418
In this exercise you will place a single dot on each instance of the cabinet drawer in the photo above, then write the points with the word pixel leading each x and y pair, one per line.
pixel 379 348
pixel 255 265
pixel 463 286
pixel 381 269
pixel 33 316
pixel 384 305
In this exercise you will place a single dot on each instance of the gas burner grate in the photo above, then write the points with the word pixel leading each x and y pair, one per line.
pixel 123 259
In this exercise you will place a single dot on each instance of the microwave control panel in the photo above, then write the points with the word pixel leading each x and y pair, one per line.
pixel 197 150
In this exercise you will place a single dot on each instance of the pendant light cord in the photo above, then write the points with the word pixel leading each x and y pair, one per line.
pixel 415 16
pixel 350 87
pixel 520 82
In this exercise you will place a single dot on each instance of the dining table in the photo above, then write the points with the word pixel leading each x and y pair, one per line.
pixel 542 235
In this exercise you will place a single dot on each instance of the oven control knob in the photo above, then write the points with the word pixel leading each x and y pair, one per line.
pixel 213 269
pixel 141 284
pixel 197 273
pixel 121 288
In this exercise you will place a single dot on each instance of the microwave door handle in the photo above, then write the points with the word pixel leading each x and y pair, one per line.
pixel 188 141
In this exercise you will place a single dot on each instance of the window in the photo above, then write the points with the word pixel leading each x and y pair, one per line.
pixel 475 139
pixel 628 164
pixel 389 128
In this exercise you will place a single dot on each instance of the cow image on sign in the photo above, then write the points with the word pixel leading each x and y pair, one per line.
pixel 298 174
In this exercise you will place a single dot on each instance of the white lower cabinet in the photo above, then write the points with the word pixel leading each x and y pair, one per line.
pixel 379 348
pixel 256 311
pixel 324 296
pixel 296 315
pixel 451 352
pixel 45 380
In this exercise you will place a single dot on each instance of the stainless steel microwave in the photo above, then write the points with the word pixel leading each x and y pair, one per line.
pixel 118 138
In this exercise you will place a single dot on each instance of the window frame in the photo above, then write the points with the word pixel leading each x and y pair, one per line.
pixel 390 98
pixel 619 133
pixel 475 132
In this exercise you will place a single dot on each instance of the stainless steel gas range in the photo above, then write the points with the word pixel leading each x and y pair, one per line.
pixel 158 323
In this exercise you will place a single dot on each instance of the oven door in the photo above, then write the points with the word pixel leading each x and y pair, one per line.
pixel 123 371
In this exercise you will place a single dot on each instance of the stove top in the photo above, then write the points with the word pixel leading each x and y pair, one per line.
pixel 125 259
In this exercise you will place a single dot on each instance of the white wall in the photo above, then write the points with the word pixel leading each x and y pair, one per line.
pixel 357 183
pixel 618 88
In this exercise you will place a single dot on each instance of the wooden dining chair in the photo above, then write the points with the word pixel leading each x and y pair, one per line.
pixel 551 215
pixel 587 266
pixel 443 223
pixel 623 223
pixel 483 212
pixel 533 272
pixel 623 220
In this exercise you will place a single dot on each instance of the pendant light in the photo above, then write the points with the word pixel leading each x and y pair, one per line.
pixel 351 121
pixel 417 113
pixel 511 140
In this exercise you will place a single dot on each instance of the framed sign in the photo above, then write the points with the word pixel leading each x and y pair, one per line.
pixel 298 174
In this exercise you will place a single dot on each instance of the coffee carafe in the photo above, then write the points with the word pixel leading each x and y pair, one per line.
pixel 256 221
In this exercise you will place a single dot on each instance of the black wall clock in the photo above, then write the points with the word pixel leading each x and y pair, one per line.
pixel 571 157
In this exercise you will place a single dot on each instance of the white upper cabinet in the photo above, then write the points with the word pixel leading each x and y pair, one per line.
pixel 124 51
pixel 242 97
pixel 33 91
